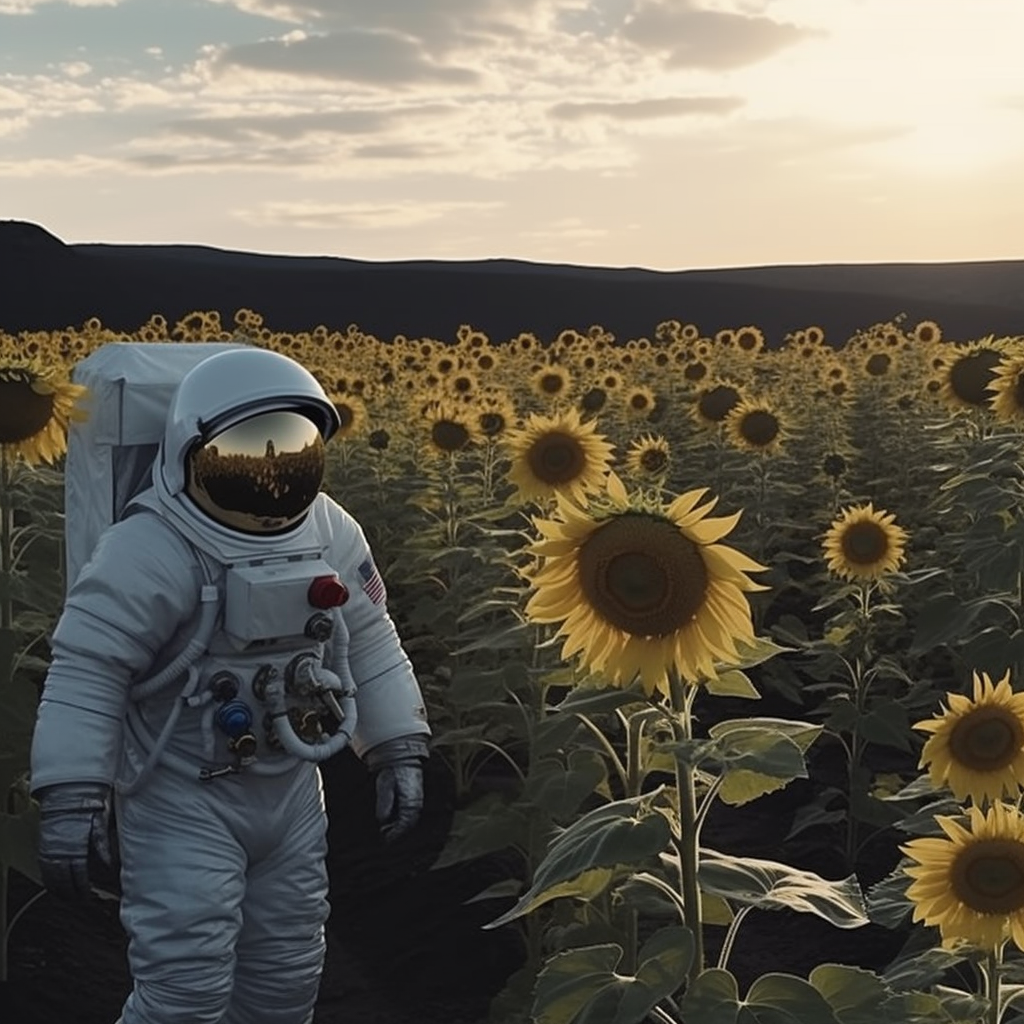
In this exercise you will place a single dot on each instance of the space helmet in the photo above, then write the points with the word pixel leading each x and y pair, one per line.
pixel 245 440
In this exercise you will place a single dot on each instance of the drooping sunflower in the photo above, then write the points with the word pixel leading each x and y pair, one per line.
pixel 36 406
pixel 558 454
pixel 1007 387
pixel 642 589
pixel 351 411
pixel 977 746
pixel 971 883
pixel 715 402
pixel 648 458
pixel 863 544
pixel 755 426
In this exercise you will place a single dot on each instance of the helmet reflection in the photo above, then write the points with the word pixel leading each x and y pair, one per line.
pixel 260 475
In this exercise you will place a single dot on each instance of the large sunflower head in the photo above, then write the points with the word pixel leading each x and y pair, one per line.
pixel 642 589
pixel 558 454
pixel 970 883
pixel 976 745
pixel 36 406
pixel 863 544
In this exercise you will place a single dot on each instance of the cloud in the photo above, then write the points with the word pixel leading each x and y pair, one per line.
pixel 645 110
pixel 357 56
pixel 364 215
pixel 691 37
pixel 28 6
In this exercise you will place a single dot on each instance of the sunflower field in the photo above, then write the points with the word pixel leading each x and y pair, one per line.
pixel 645 584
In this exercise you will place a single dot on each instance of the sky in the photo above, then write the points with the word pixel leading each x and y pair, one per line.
pixel 667 134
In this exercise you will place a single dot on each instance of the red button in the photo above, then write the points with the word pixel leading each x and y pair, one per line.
pixel 327 592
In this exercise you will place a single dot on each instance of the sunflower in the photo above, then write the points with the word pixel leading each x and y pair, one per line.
pixel 36 406
pixel 550 382
pixel 642 589
pixel 971 883
pixel 639 401
pixel 495 413
pixel 967 376
pixel 754 425
pixel 558 453
pixel 648 458
pixel 977 746
pixel 715 402
pixel 863 544
pixel 1007 401
pixel 450 427
pixel 750 339
pixel 927 332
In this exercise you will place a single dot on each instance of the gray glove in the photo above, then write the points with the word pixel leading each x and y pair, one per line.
pixel 74 825
pixel 398 767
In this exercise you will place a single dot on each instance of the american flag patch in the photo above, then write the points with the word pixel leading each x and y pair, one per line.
pixel 371 581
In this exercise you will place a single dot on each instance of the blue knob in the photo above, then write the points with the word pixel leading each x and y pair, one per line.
pixel 234 718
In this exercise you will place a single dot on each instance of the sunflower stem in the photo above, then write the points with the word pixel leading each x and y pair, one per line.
pixel 688 840
pixel 992 971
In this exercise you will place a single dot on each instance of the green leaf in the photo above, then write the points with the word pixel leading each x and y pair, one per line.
pixel 855 995
pixel 757 652
pixel 733 683
pixel 486 826
pixel 887 724
pixel 785 999
pixel 922 970
pixel 712 998
pixel 762 755
pixel 770 885
pixel 583 858
pixel 559 788
pixel 582 986
pixel 802 733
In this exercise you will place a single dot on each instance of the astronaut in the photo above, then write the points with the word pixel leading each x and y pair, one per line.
pixel 229 632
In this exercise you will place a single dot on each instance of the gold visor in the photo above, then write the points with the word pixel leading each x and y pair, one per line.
pixel 260 475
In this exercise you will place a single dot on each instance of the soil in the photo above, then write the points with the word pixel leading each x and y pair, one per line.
pixel 403 945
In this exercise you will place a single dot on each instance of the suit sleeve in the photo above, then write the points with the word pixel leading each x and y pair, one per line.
pixel 136 592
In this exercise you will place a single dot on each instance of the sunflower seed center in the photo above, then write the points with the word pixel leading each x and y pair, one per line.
pixel 556 458
pixel 864 543
pixel 449 435
pixel 642 574
pixel 969 377
pixel 988 876
pixel 986 738
pixel 759 427
pixel 24 412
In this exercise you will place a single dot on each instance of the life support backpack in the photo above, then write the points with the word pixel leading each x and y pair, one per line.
pixel 111 452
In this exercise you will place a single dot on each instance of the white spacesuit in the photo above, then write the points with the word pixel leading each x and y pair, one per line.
pixel 229 632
